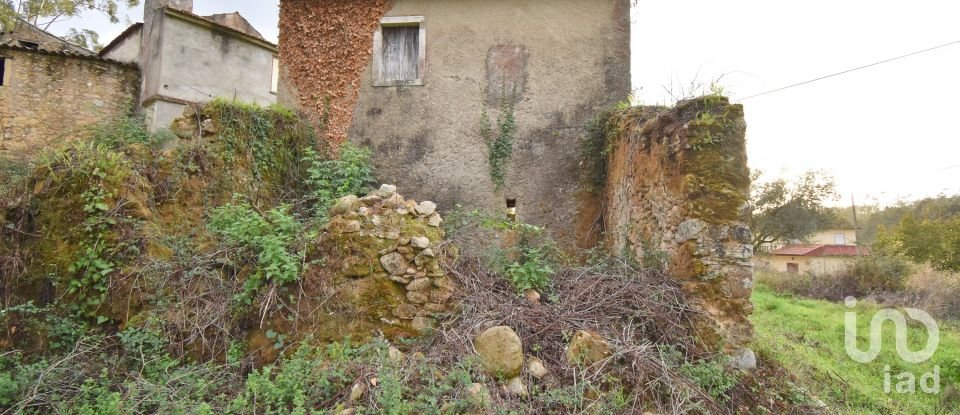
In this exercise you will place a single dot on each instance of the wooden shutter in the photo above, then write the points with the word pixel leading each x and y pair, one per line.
pixel 401 50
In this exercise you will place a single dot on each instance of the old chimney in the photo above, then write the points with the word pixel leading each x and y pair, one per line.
pixel 152 40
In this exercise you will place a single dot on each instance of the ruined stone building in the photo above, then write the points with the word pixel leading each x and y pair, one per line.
pixel 186 58
pixel 50 88
pixel 487 104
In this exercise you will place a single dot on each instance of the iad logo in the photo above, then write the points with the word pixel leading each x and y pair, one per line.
pixel 906 381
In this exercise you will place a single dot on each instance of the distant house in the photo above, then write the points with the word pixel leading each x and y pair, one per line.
pixel 834 236
pixel 50 88
pixel 186 58
pixel 813 259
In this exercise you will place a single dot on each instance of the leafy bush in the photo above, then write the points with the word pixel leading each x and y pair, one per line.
pixel 120 132
pixel 712 376
pixel 270 236
pixel 351 172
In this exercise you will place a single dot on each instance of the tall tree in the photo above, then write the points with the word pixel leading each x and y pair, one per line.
pixel 783 210
pixel 44 13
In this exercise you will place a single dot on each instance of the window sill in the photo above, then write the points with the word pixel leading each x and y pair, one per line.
pixel 415 82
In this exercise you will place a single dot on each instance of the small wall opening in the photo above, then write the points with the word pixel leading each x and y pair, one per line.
pixel 512 209
pixel 3 70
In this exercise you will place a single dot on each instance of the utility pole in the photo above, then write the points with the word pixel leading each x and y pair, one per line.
pixel 856 226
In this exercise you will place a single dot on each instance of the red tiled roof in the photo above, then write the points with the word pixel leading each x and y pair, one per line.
pixel 821 250
pixel 797 250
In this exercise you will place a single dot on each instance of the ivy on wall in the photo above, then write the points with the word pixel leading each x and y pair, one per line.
pixel 324 47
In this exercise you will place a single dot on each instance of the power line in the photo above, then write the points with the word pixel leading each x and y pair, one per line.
pixel 851 70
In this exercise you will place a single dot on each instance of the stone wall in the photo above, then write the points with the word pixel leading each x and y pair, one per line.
pixel 676 184
pixel 48 97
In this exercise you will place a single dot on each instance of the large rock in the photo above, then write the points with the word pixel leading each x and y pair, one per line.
pixel 587 349
pixel 500 351
pixel 394 263
pixel 346 204
pixel 743 359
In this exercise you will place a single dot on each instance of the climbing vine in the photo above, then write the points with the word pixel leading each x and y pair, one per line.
pixel 324 47
pixel 500 147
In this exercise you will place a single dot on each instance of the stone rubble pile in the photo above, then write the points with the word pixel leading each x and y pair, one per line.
pixel 402 236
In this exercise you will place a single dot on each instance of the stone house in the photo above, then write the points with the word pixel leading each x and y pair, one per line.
pixel 186 58
pixel 49 89
pixel 426 73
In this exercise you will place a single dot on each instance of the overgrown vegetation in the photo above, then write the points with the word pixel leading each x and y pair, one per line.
pixel 198 271
pixel 807 337
pixel 330 178
pixel 270 236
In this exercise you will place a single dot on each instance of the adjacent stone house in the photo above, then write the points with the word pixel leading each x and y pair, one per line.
pixel 50 89
pixel 427 73
pixel 186 58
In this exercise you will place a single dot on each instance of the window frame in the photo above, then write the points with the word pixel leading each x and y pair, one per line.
pixel 395 21
pixel 275 75
pixel 839 238
pixel 5 71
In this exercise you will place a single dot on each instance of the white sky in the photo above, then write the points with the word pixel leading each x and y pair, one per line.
pixel 884 133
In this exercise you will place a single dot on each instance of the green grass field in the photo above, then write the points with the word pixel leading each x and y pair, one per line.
pixel 807 337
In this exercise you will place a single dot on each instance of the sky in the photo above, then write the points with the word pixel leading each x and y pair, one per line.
pixel 885 133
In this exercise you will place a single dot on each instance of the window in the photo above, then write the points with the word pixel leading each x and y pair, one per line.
pixel 3 70
pixel 793 267
pixel 275 77
pixel 399 49
pixel 839 239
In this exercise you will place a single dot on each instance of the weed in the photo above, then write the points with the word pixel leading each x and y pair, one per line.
pixel 270 236
pixel 329 179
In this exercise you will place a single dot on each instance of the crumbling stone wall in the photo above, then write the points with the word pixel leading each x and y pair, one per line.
pixel 676 183
pixel 48 97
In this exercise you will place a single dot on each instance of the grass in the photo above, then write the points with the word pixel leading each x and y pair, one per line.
pixel 807 337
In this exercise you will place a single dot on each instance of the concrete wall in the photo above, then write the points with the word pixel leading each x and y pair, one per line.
pixel 49 97
pixel 573 61
pixel 676 183
pixel 128 49
pixel 188 59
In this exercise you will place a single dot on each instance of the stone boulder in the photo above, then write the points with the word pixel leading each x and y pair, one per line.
pixel 500 351
pixel 587 349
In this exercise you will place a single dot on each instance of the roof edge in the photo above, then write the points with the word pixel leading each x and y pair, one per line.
pixel 193 18
pixel 116 41
pixel 70 55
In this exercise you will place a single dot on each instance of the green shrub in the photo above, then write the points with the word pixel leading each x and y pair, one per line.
pixel 712 376
pixel 270 236
pixel 120 132
pixel 350 173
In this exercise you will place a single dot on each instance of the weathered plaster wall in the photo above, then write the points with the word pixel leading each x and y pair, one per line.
pixel 187 59
pixel 202 62
pixel 676 183
pixel 128 49
pixel 49 97
pixel 567 58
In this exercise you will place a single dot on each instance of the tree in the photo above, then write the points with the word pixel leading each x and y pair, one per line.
pixel 791 211
pixel 43 13
pixel 931 240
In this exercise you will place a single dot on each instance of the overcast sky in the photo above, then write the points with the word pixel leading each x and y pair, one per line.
pixel 886 132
